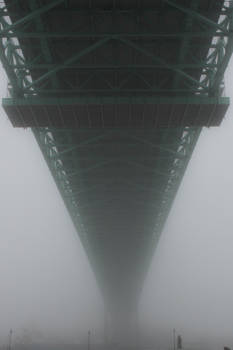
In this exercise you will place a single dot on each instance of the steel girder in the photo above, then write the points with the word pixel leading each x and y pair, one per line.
pixel 118 186
pixel 118 183
pixel 193 58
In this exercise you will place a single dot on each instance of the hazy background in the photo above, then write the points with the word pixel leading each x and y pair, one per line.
pixel 47 289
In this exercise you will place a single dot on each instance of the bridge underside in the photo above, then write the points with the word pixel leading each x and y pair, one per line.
pixel 144 112
pixel 118 186
pixel 116 93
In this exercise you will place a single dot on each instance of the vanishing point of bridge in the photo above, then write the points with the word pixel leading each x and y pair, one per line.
pixel 116 93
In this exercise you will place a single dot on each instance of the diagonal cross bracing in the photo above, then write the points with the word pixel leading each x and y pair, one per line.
pixel 121 183
pixel 116 95
pixel 195 14
pixel 134 40
pixel 31 16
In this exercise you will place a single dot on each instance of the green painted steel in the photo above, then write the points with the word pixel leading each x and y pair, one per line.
pixel 113 59
pixel 201 43
pixel 118 186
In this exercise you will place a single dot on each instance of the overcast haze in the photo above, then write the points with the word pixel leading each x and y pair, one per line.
pixel 47 285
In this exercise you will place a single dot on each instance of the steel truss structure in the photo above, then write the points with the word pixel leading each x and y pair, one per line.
pixel 118 186
pixel 115 48
pixel 116 92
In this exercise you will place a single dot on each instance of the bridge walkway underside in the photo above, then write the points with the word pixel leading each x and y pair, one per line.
pixel 116 93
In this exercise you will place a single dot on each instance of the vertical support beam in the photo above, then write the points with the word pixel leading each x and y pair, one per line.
pixel 31 16
pixel 44 43
pixel 16 91
pixel 214 90
pixel 185 41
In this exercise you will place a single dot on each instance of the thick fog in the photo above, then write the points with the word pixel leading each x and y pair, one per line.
pixel 48 291
pixel 190 284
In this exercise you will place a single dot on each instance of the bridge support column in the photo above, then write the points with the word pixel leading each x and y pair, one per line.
pixel 124 326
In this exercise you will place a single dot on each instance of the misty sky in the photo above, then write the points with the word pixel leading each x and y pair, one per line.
pixel 47 285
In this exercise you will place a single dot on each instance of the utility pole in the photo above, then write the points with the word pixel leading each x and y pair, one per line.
pixel 179 342
pixel 10 339
pixel 174 339
pixel 105 328
pixel 89 340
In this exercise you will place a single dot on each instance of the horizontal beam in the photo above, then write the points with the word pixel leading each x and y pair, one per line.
pixel 157 59
pixel 99 11
pixel 76 35
pixel 114 66
pixel 95 100
pixel 69 61
pixel 124 158
pixel 105 112
pixel 117 91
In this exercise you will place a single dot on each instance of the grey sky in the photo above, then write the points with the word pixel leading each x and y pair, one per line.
pixel 46 281
pixel 190 284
